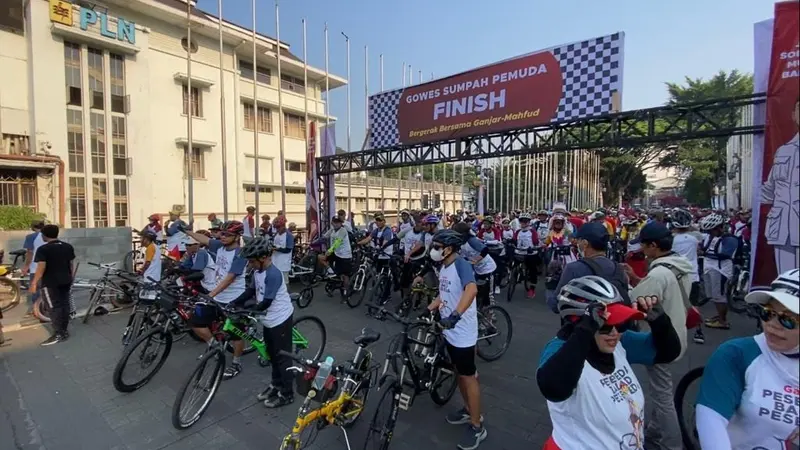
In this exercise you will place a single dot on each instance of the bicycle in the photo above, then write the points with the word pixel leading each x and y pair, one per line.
pixel 436 372
pixel 343 411
pixel 518 273
pixel 738 285
pixel 215 357
pixel 169 321
pixel 686 411
pixel 363 279
pixel 119 294
pixel 420 295
pixel 382 291
pixel 10 290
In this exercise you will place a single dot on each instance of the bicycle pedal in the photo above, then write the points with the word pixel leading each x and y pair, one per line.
pixel 405 401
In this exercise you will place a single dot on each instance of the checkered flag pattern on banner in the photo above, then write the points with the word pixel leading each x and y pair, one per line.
pixel 383 119
pixel 591 70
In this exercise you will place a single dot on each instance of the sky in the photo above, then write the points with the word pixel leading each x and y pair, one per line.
pixel 664 41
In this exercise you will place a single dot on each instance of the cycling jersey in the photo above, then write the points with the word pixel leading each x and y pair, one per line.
pixel 453 279
pixel 202 261
pixel 542 228
pixel 270 287
pixel 153 256
pixel 340 242
pixel 472 249
pixel 507 234
pixel 525 238
pixel 381 237
pixel 752 393
pixel 557 238
pixel 718 253
pixel 228 262
pixel 410 238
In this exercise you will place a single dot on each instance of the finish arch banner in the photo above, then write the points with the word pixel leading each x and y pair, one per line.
pixel 777 167
pixel 568 82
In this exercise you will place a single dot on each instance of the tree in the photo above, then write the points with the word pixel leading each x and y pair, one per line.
pixel 703 161
pixel 622 174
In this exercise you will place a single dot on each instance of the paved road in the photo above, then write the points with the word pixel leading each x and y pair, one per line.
pixel 61 397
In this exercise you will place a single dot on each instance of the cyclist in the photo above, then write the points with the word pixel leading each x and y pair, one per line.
pixel 339 256
pixel 413 244
pixel 718 251
pixel 32 242
pixel 686 244
pixel 175 234
pixel 154 225
pixel 406 222
pixel 491 235
pixel 749 393
pixel 526 241
pixel 198 259
pixel 541 225
pixel 270 292
pixel 456 305
pixel 594 398
pixel 152 257
pixel 477 253
pixel 630 229
pixel 229 283
pixel 283 243
pixel 381 238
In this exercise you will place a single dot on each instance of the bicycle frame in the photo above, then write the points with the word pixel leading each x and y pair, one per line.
pixel 260 346
pixel 329 411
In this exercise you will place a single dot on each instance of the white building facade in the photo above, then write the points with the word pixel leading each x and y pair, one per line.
pixel 94 108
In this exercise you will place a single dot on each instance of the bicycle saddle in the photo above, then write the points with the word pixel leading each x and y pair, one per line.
pixel 294 296
pixel 19 252
pixel 368 336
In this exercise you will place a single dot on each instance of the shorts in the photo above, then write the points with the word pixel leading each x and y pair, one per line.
pixel 341 266
pixel 715 283
pixel 205 315
pixel 463 358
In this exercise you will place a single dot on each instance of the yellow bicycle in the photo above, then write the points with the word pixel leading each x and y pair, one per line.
pixel 320 409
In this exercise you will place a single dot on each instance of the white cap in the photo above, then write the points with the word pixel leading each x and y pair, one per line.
pixel 188 240
pixel 785 290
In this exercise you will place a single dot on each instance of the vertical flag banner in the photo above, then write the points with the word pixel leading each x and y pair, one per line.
pixel 328 135
pixel 778 233
pixel 312 185
pixel 560 83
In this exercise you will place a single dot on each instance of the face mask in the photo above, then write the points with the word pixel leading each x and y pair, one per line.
pixel 437 254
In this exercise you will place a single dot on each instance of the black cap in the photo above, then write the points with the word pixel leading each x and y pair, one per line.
pixel 654 231
pixel 595 233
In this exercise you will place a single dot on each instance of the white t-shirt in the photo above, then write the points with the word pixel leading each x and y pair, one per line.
pixel 453 279
pixel 269 284
pixel 685 245
pixel 524 241
pixel 410 238
pixel 228 261
pixel 604 412
pixel 38 241
pixel 486 264
pixel 154 269
pixel 283 261
pixel 725 266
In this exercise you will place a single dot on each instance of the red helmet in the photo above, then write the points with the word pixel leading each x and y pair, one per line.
pixel 279 221
pixel 232 227
pixel 154 217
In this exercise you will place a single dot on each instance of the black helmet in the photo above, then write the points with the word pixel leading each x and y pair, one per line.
pixel 681 218
pixel 449 238
pixel 257 248
pixel 462 228
pixel 148 234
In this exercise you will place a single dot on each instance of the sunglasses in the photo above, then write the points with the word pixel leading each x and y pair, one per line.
pixel 226 234
pixel 437 246
pixel 606 329
pixel 787 320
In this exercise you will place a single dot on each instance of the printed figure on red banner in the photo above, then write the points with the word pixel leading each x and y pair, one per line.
pixel 782 191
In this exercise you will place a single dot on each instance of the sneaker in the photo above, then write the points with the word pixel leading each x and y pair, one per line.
pixel 473 437
pixel 531 293
pixel 459 417
pixel 699 338
pixel 278 401
pixel 497 290
pixel 268 393
pixel 717 324
pixel 54 339
pixel 232 371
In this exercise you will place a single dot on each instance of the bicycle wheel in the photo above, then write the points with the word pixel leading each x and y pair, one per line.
pixel 494 327
pixel 513 280
pixel 202 391
pixel 134 330
pixel 445 381
pixel 42 310
pixel 306 295
pixel 353 409
pixel 684 406
pixel 144 353
pixel 367 286
pixel 353 299
pixel 381 427
pixel 9 294
pixel 309 337
pixel 94 295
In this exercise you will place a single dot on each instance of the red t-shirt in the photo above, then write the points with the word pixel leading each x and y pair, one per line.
pixel 576 222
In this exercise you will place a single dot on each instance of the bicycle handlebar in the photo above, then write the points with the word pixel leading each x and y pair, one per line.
pixel 382 312
pixel 315 364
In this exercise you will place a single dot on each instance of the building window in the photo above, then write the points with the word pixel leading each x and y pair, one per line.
pixel 77 202
pixel 75 140
pixel 294 126
pixel 100 202
pixel 265 194
pixel 18 188
pixel 119 151
pixel 294 166
pixel 121 203
pixel 117 71
pixel 246 72
pixel 264 118
pixel 96 79
pixel 97 133
pixel 293 84
pixel 187 46
pixel 198 164
pixel 72 69
pixel 14 144
pixel 197 101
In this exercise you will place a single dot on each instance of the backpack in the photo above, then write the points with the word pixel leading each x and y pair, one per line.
pixel 693 316
pixel 618 278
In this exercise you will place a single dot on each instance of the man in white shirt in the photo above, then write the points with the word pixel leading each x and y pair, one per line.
pixel 284 246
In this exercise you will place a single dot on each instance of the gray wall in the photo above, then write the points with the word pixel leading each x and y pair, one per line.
pixel 91 244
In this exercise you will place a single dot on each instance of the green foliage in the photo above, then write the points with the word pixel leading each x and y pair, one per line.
pixel 622 173
pixel 18 217
pixel 705 159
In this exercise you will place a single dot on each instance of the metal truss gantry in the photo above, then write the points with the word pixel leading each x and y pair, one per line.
pixel 707 119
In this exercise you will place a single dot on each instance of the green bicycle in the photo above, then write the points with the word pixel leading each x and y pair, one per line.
pixel 201 386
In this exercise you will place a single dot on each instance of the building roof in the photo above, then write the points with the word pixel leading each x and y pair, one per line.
pixel 200 14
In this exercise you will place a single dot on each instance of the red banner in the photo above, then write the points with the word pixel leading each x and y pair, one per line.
pixel 512 94
pixel 312 185
pixel 778 247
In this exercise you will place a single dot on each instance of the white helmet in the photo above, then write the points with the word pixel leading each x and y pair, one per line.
pixel 681 218
pixel 785 289
pixel 711 221
pixel 524 216
pixel 575 296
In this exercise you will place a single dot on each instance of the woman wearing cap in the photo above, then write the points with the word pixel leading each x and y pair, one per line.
pixel 593 396
pixel 749 396
pixel 198 259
